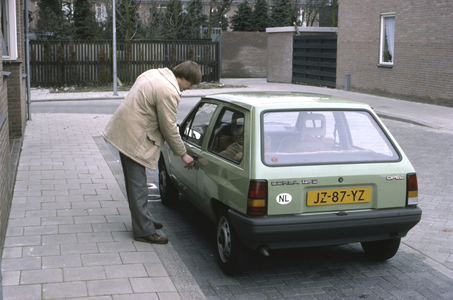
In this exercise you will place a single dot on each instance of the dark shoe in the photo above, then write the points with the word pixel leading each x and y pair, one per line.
pixel 158 225
pixel 152 239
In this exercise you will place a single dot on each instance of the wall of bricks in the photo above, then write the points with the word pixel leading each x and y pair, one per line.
pixel 244 54
pixel 5 185
pixel 16 100
pixel 423 59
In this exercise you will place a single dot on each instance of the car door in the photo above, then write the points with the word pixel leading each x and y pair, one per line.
pixel 222 169
pixel 193 132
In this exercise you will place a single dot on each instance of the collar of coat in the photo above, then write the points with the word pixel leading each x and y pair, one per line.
pixel 168 74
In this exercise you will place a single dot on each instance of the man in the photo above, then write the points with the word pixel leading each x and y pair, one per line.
pixel 144 120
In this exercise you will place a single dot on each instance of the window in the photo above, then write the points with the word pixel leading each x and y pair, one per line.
pixel 228 135
pixel 387 45
pixel 320 137
pixel 9 34
pixel 194 129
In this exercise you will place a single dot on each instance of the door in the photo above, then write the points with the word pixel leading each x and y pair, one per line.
pixel 193 133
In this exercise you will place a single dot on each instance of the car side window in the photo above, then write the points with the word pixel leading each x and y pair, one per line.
pixel 228 136
pixel 194 129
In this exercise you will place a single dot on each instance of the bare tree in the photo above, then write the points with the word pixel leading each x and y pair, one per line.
pixel 312 10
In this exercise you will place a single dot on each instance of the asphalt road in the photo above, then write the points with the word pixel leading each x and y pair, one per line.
pixel 340 272
pixel 107 107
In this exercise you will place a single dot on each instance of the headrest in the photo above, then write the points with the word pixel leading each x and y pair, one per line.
pixel 311 124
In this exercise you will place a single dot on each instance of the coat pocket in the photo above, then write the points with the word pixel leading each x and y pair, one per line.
pixel 155 137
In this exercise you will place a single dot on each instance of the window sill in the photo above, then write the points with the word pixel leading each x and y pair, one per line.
pixel 11 62
pixel 385 66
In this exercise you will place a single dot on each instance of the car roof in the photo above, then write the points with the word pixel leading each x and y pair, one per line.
pixel 284 100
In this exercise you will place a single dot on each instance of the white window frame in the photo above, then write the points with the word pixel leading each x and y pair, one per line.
pixel 12 30
pixel 382 41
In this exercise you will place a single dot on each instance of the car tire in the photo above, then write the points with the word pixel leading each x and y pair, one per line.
pixel 169 193
pixel 232 254
pixel 381 250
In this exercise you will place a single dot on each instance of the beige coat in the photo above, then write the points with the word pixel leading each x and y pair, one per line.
pixel 146 118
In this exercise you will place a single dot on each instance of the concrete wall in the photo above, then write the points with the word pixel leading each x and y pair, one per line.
pixel 423 60
pixel 244 54
pixel 280 50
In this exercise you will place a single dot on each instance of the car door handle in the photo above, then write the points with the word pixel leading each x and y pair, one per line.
pixel 195 157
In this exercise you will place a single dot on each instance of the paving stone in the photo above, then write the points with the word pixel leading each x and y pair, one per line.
pixel 41 276
pixel 41 251
pixel 139 257
pixel 101 259
pixel 109 287
pixel 126 271
pixel 64 290
pixel 22 292
pixel 156 284
pixel 84 273
pixel 94 237
pixel 62 261
pixel 20 264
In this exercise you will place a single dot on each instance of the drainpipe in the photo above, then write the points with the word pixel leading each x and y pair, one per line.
pixel 27 58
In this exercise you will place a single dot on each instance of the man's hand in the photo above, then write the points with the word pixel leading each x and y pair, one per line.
pixel 188 160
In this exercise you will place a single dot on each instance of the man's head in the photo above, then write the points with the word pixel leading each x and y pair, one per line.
pixel 190 72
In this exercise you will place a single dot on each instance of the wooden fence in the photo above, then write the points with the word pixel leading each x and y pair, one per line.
pixel 315 59
pixel 59 63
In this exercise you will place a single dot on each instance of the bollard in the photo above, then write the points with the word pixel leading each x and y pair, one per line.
pixel 347 79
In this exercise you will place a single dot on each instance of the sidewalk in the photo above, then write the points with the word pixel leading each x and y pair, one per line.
pixel 69 231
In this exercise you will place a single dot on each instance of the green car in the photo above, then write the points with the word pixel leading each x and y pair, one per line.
pixel 284 170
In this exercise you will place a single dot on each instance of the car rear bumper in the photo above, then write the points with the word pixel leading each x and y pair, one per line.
pixel 324 229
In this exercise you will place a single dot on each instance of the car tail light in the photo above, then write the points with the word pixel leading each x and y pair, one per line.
pixel 412 189
pixel 256 202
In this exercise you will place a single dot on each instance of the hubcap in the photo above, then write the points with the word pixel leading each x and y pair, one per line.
pixel 224 239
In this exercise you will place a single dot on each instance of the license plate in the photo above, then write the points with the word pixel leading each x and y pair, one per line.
pixel 343 196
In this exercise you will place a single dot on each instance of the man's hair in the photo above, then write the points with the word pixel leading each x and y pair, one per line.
pixel 189 71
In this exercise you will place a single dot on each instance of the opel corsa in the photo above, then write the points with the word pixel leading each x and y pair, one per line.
pixel 285 170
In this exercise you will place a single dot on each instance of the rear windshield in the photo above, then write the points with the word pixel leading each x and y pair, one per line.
pixel 321 137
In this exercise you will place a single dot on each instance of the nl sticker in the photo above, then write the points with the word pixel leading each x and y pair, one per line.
pixel 284 198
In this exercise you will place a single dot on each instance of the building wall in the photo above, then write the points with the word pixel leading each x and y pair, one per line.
pixel 5 185
pixel 244 54
pixel 423 60
pixel 16 100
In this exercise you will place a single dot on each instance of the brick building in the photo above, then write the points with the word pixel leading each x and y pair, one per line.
pixel 13 110
pixel 397 48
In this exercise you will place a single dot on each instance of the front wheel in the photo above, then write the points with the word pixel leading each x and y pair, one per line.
pixel 168 192
pixel 233 255
pixel 381 250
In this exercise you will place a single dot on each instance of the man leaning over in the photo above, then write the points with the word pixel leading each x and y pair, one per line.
pixel 144 120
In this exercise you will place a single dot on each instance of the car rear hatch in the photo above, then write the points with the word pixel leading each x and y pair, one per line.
pixel 330 160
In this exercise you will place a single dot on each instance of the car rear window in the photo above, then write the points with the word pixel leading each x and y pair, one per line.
pixel 322 137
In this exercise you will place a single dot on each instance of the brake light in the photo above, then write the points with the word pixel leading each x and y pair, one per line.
pixel 412 189
pixel 256 202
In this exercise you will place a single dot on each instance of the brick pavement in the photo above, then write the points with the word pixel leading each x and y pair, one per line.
pixel 69 232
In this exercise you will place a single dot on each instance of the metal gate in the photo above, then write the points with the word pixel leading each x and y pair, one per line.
pixel 315 59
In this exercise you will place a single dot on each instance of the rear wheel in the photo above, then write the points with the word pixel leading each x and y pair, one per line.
pixel 381 250
pixel 233 255
pixel 168 192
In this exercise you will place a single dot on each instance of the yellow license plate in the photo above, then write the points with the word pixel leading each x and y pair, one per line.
pixel 343 196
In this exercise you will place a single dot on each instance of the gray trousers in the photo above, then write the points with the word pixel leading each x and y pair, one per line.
pixel 137 196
